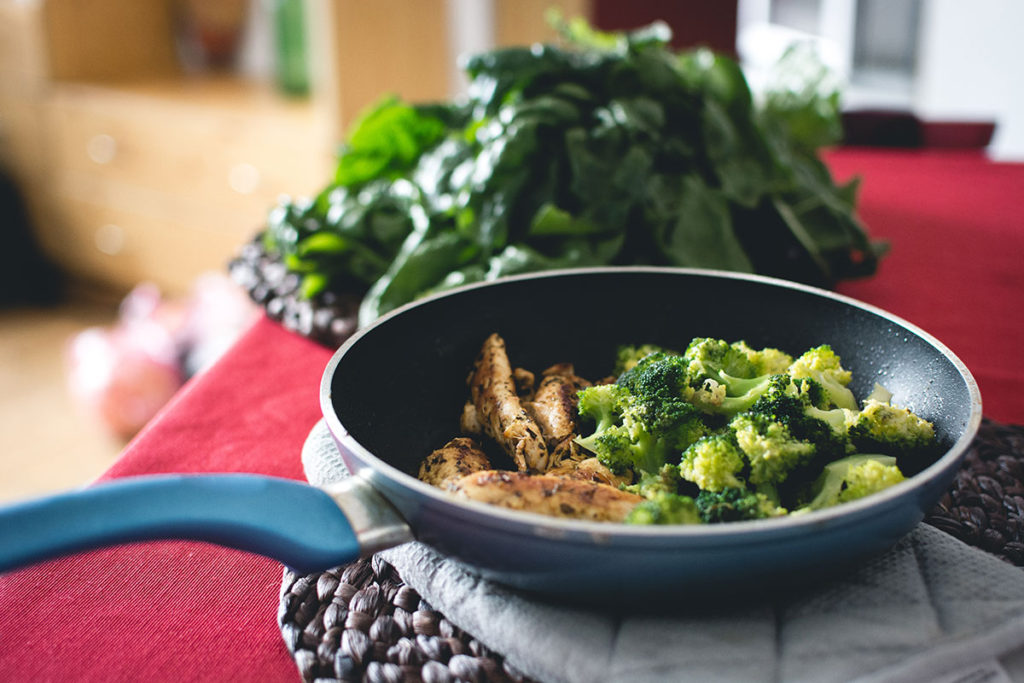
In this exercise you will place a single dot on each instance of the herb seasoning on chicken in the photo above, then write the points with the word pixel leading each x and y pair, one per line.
pixel 554 408
pixel 548 495
pixel 499 410
pixel 457 458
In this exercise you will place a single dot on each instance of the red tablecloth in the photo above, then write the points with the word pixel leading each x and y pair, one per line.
pixel 189 611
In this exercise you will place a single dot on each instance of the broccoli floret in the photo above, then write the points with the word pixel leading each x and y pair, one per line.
pixel 613 447
pixel 665 480
pixel 851 478
pixel 665 508
pixel 766 361
pixel 642 421
pixel 823 366
pixel 735 504
pixel 664 504
pixel 869 477
pixel 658 429
pixel 726 378
pixel 793 403
pixel 708 356
pixel 881 427
pixel 658 374
pixel 769 447
pixel 713 463
pixel 604 404
pixel 628 356
pixel 811 392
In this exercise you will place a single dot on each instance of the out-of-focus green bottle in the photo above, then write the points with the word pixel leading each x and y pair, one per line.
pixel 292 63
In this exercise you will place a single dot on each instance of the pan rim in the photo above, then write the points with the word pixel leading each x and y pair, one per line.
pixel 532 524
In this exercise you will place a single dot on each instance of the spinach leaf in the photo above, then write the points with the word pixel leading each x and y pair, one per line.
pixel 386 141
pixel 422 263
pixel 698 232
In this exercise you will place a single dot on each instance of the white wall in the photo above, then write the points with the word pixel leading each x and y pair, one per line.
pixel 971 66
pixel 970 62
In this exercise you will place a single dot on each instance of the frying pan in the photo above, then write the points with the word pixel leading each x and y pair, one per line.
pixel 394 391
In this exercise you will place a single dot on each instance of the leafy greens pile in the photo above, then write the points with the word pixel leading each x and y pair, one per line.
pixel 610 150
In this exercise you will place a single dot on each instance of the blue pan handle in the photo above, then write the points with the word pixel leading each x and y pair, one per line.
pixel 305 528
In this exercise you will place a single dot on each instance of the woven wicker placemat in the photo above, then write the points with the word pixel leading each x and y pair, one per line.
pixel 985 505
pixel 328 318
pixel 362 623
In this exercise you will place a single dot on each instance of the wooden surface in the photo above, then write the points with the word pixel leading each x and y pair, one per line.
pixel 382 47
pixel 46 445
pixel 522 22
pixel 163 180
pixel 110 39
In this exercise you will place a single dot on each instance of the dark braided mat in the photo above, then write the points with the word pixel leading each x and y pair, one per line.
pixel 985 505
pixel 362 623
pixel 328 318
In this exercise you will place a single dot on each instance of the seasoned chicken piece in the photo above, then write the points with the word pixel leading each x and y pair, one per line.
pixel 566 468
pixel 554 408
pixel 469 423
pixel 456 459
pixel 499 410
pixel 588 469
pixel 524 381
pixel 547 495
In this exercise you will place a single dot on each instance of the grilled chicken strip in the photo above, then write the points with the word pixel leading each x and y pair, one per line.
pixel 547 495
pixel 456 459
pixel 524 381
pixel 588 469
pixel 554 408
pixel 469 423
pixel 500 411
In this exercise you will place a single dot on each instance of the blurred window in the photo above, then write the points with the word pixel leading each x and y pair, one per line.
pixel 885 39
pixel 799 14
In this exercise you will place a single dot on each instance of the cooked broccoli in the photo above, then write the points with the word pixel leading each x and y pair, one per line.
pixel 664 504
pixel 726 378
pixel 823 365
pixel 879 426
pixel 718 358
pixel 657 373
pixel 640 423
pixel 649 484
pixel 884 428
pixel 869 477
pixel 772 450
pixel 851 478
pixel 735 504
pixel 628 355
pixel 714 462
pixel 665 508
pixel 604 404
pixel 766 361
pixel 754 432
pixel 795 403
pixel 813 394
pixel 783 431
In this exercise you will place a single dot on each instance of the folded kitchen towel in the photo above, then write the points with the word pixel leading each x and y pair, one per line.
pixel 930 609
